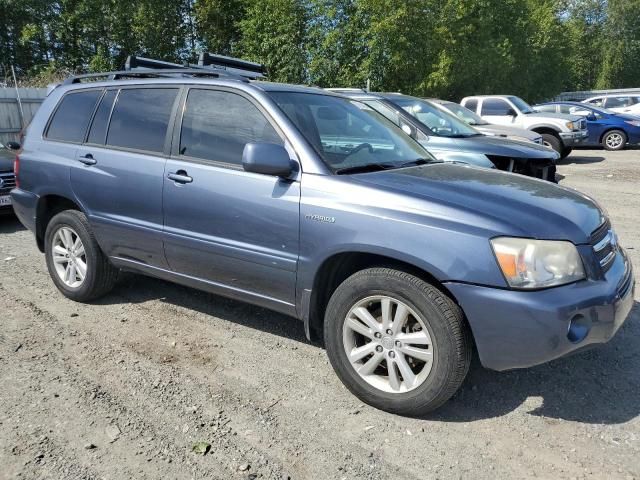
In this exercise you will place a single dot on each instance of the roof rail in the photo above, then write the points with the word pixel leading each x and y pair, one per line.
pixel 233 65
pixel 147 73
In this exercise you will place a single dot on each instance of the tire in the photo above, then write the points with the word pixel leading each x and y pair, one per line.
pixel 553 141
pixel 435 324
pixel 99 275
pixel 565 152
pixel 614 140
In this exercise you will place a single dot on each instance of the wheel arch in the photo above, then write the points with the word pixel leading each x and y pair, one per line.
pixel 546 129
pixel 338 267
pixel 611 128
pixel 48 206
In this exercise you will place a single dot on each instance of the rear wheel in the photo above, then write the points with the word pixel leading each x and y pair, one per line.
pixel 396 342
pixel 553 141
pixel 75 262
pixel 614 140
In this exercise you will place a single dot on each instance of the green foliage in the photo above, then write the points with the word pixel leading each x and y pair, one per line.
pixel 443 48
pixel 273 33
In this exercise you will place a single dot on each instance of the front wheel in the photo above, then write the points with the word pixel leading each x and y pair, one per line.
pixel 614 140
pixel 553 141
pixel 396 342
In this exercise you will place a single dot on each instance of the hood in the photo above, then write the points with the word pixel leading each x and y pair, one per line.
pixel 6 160
pixel 491 145
pixel 504 203
pixel 503 130
pixel 559 116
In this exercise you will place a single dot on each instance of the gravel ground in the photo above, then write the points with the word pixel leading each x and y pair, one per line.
pixel 124 388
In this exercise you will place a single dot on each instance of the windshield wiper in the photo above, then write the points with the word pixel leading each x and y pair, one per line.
pixel 369 167
pixel 416 162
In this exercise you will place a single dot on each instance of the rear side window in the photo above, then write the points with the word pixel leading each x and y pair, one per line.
pixel 217 125
pixel 495 106
pixel 617 102
pixel 140 118
pixel 71 118
pixel 472 104
pixel 98 130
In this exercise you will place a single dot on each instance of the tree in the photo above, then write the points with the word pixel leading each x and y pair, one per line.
pixel 273 33
pixel 621 50
pixel 217 24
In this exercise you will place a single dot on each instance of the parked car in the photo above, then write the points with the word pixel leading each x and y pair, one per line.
pixel 480 124
pixel 7 178
pixel 560 132
pixel 610 129
pixel 310 204
pixel 617 103
pixel 451 140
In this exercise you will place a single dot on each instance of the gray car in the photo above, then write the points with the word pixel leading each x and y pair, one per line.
pixel 313 205
pixel 450 139
pixel 480 124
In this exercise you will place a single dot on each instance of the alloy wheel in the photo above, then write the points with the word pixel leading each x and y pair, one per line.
pixel 69 257
pixel 614 140
pixel 388 344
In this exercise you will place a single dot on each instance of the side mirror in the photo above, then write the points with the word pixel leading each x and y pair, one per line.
pixel 15 146
pixel 591 117
pixel 267 158
pixel 511 112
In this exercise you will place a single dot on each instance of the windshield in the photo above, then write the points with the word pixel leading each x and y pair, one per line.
pixel 443 124
pixel 521 105
pixel 464 114
pixel 349 135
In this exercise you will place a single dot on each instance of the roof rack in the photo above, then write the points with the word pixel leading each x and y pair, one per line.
pixel 209 65
pixel 233 65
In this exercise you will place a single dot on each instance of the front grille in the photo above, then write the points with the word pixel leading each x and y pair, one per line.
pixel 537 168
pixel 604 244
pixel 8 182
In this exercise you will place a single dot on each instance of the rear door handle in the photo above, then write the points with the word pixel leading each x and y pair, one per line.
pixel 87 159
pixel 180 177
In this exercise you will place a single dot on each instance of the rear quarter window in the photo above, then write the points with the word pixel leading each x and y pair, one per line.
pixel 71 118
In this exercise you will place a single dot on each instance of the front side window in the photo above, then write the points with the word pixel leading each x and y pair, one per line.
pixel 217 125
pixel 596 101
pixel 495 106
pixel 71 118
pixel 140 118
pixel 347 133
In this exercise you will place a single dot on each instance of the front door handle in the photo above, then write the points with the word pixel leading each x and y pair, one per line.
pixel 87 159
pixel 180 177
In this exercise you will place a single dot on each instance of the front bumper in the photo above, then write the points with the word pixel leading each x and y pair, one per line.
pixel 519 329
pixel 574 138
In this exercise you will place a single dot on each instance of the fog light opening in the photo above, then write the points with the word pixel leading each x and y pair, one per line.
pixel 579 328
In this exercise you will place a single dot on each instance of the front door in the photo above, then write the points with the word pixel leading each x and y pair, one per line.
pixel 237 231
pixel 497 111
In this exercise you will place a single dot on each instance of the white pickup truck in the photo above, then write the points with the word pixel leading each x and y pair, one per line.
pixel 559 131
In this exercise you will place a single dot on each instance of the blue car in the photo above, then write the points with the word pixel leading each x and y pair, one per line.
pixel 609 129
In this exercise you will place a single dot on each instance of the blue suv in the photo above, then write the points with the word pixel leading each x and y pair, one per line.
pixel 313 205
pixel 611 130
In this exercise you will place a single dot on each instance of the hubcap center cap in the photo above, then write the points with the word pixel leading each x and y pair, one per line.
pixel 387 342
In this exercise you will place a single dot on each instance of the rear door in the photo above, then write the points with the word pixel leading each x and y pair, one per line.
pixel 234 229
pixel 119 170
pixel 497 110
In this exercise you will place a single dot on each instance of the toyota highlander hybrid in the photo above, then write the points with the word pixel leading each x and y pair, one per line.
pixel 310 204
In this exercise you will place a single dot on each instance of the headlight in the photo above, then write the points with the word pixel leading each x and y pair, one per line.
pixel 571 126
pixel 529 264
pixel 635 123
